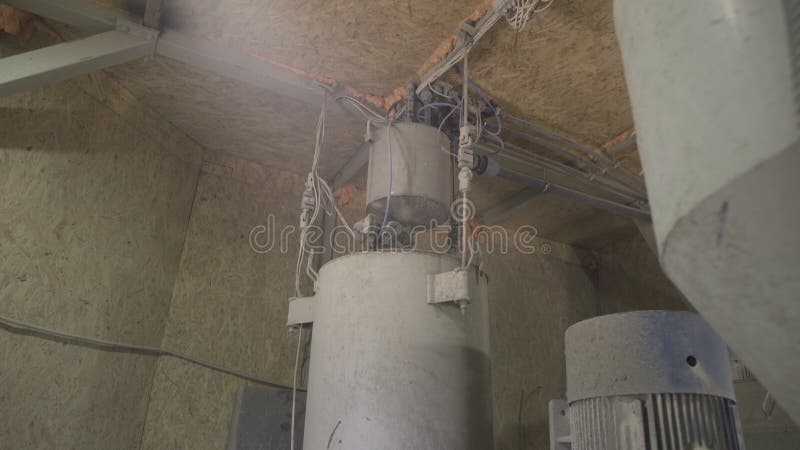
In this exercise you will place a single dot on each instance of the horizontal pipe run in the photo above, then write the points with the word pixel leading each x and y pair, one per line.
pixel 592 164
pixel 534 160
pixel 576 146
pixel 597 202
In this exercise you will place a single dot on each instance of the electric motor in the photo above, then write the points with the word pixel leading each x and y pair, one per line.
pixel 650 380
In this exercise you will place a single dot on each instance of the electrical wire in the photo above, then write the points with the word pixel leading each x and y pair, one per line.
pixel 444 120
pixel 434 105
pixel 440 94
pixel 486 100
pixel 321 191
pixel 389 158
pixel 294 382
pixel 37 329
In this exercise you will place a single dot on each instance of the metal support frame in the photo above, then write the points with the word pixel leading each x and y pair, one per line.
pixel 197 52
pixel 52 64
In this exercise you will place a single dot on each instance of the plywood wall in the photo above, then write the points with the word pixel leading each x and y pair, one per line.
pixel 93 212
pixel 630 278
pixel 533 299
pixel 229 304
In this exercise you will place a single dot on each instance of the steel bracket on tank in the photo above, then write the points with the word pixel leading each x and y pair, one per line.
pixel 301 310
pixel 454 286
pixel 560 438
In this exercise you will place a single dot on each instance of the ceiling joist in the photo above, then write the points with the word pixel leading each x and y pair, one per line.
pixel 62 61
pixel 49 65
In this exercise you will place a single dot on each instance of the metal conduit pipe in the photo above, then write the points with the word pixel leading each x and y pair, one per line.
pixel 492 168
pixel 576 146
pixel 595 167
pixel 534 160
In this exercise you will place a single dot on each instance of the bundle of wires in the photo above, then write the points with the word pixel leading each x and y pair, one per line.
pixel 322 192
pixel 522 11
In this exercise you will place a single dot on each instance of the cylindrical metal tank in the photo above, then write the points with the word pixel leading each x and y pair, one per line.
pixel 650 380
pixel 390 371
pixel 422 174
pixel 715 92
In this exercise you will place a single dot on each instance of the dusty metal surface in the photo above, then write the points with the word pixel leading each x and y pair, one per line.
pixel 646 352
pixel 387 366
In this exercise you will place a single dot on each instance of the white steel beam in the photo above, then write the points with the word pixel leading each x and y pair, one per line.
pixel 198 52
pixel 58 62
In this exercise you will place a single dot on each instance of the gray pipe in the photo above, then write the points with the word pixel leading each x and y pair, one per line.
pixel 493 168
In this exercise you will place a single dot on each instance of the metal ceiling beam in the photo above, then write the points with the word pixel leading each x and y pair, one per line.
pixel 198 52
pixel 49 65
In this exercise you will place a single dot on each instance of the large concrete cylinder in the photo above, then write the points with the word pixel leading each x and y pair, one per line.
pixel 389 371
pixel 422 174
pixel 650 380
pixel 714 87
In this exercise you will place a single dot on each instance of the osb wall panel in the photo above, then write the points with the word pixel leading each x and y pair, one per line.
pixel 564 70
pixel 93 214
pixel 226 116
pixel 229 305
pixel 630 278
pixel 533 299
pixel 373 45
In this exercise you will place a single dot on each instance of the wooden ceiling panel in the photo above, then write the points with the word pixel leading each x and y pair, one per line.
pixel 563 71
pixel 374 45
pixel 231 117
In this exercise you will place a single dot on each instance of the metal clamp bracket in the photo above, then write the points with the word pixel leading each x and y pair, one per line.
pixel 560 438
pixel 301 311
pixel 453 286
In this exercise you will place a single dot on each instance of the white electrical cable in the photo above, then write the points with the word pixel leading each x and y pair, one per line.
pixel 520 12
pixel 321 190
pixel 294 381
pixel 37 329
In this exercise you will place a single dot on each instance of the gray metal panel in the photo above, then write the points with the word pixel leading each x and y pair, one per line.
pixel 51 64
pixel 646 352
pixel 262 419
